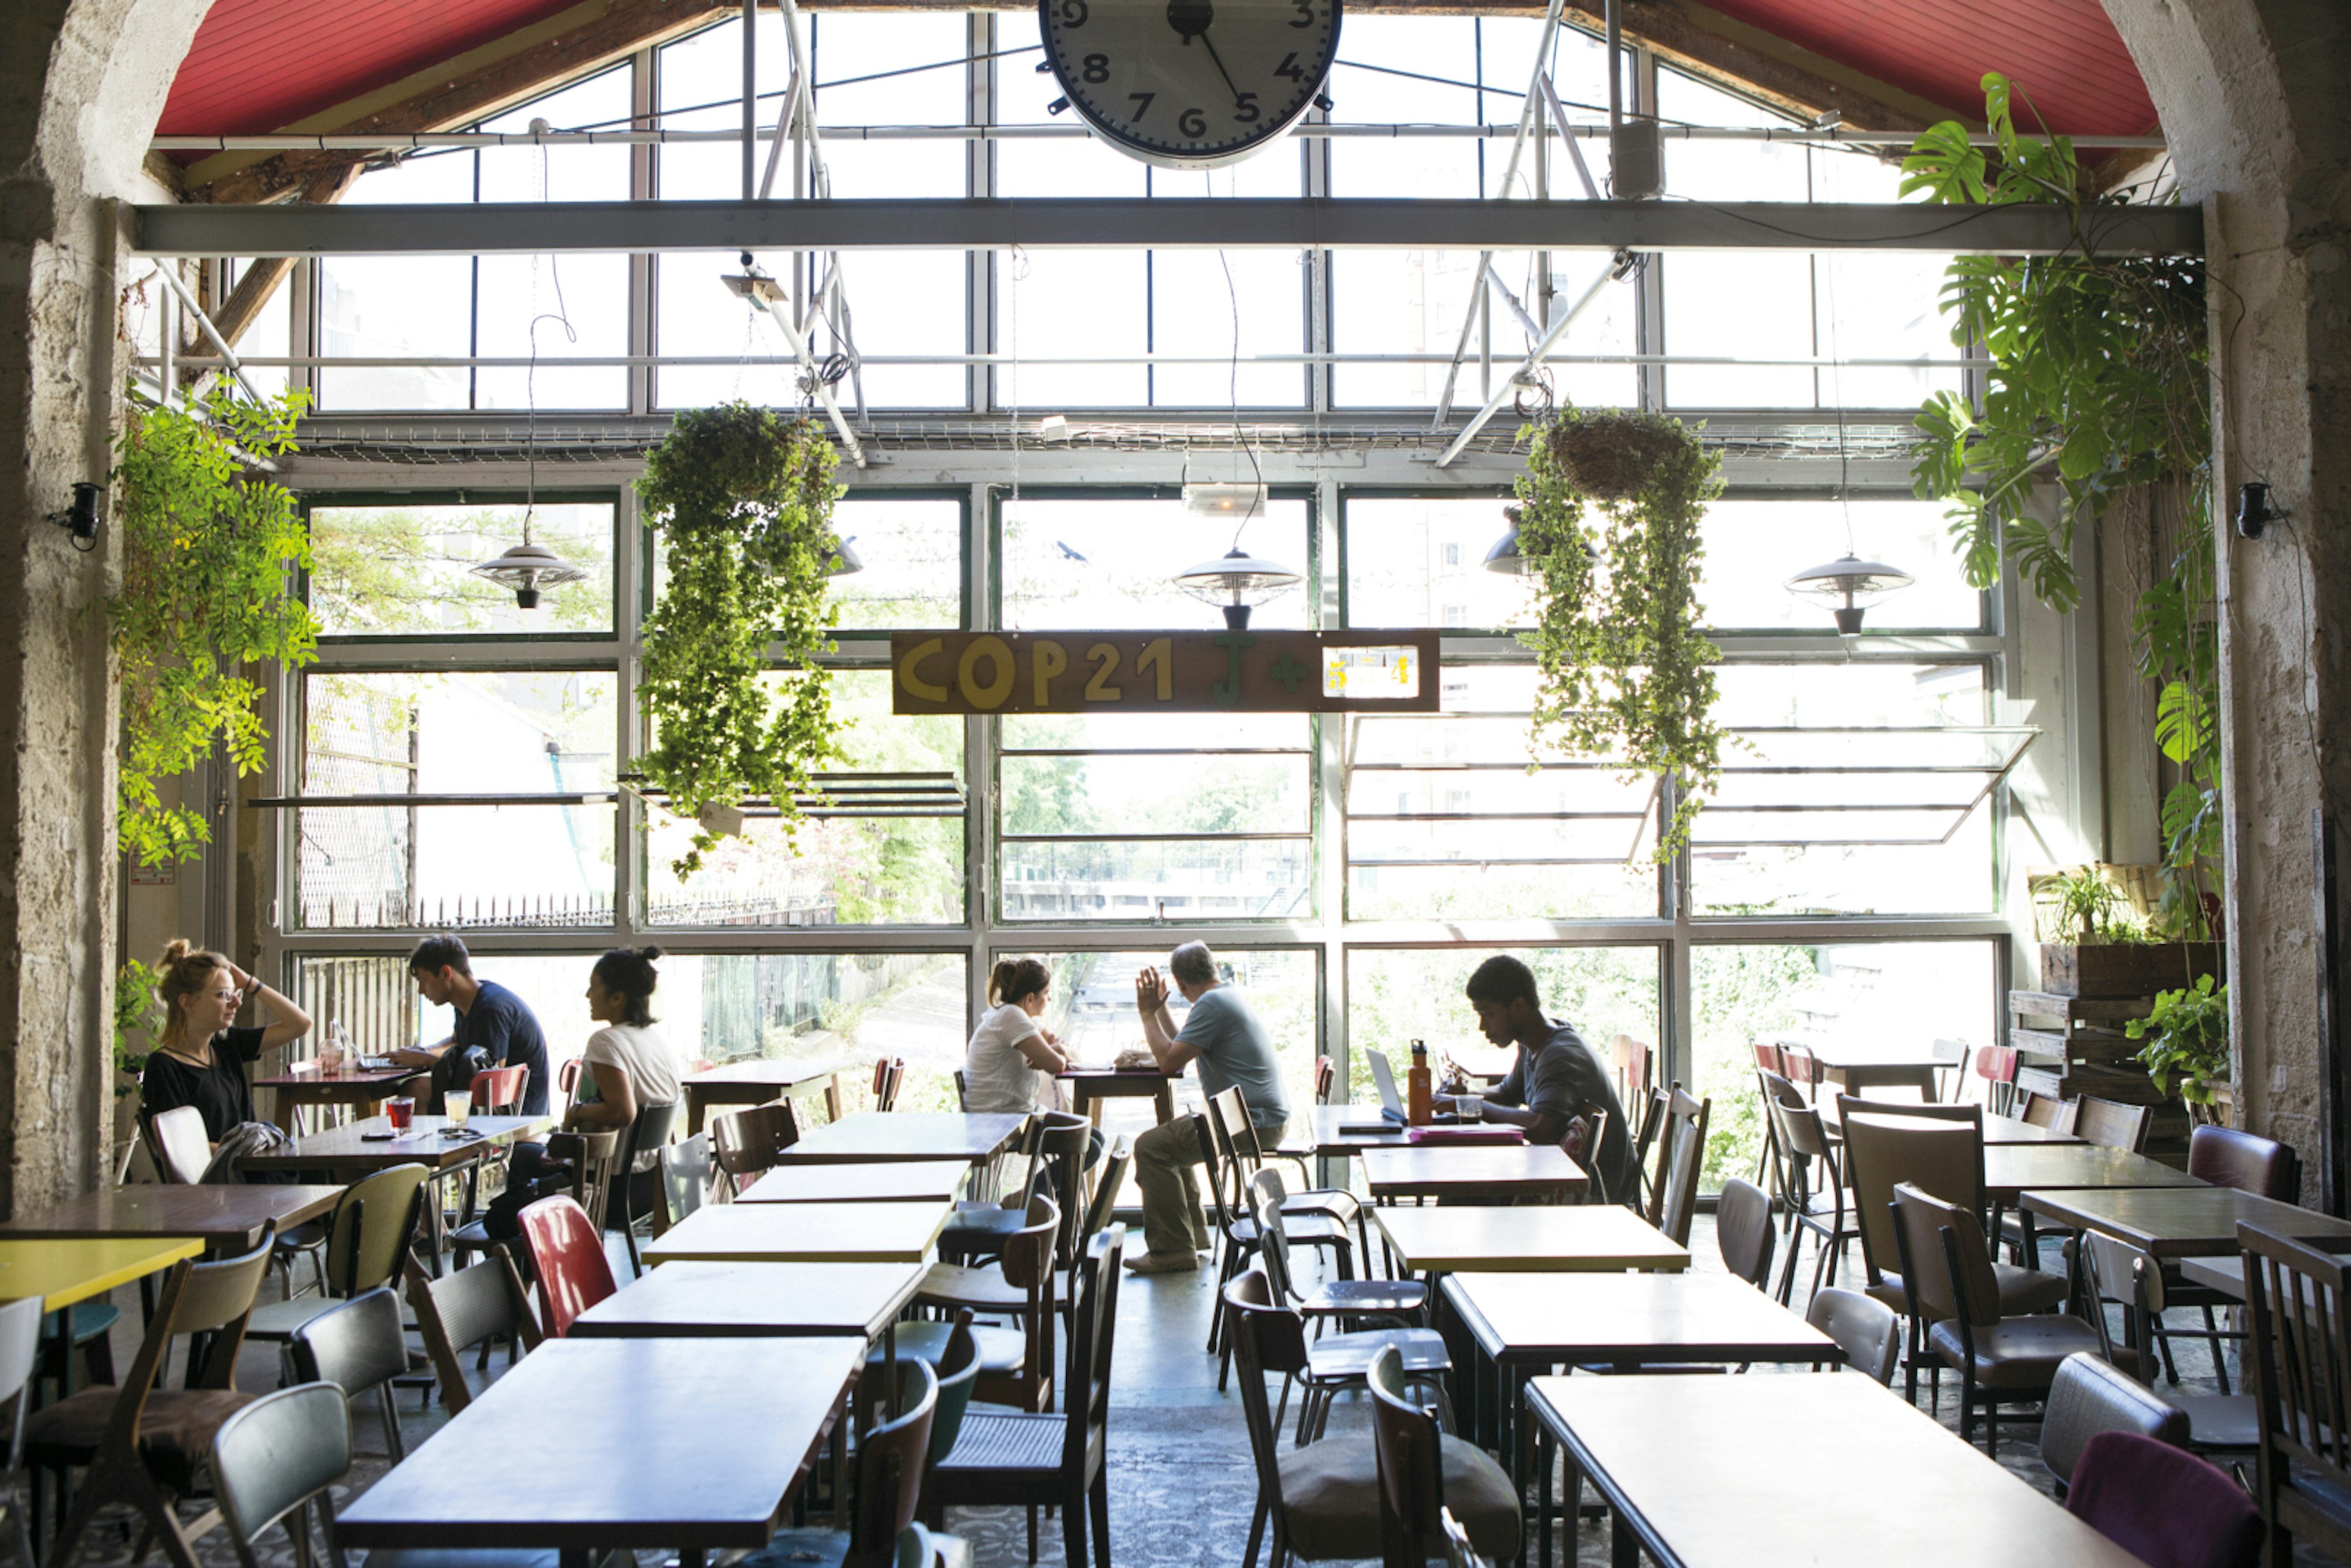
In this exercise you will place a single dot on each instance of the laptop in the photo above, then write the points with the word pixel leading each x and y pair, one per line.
pixel 1391 1115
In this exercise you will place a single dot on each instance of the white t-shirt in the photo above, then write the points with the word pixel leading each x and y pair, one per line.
pixel 647 1058
pixel 996 1077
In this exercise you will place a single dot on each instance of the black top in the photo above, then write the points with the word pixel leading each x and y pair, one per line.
pixel 1563 1077
pixel 219 1092
pixel 498 1031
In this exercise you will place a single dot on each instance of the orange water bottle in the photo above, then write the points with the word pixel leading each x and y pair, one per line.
pixel 1417 1098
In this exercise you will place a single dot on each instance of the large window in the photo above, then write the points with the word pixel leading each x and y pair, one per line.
pixel 1395 995
pixel 403 568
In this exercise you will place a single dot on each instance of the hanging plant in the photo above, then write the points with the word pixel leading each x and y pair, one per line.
pixel 209 544
pixel 743 499
pixel 1609 512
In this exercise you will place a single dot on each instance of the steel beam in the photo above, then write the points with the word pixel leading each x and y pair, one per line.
pixel 1066 223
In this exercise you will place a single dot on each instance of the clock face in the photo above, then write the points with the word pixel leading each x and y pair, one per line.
pixel 1190 84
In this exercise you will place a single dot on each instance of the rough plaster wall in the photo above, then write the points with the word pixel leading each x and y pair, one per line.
pixel 2127 560
pixel 2253 98
pixel 81 83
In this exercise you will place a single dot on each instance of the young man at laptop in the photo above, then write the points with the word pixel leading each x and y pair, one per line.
pixel 1555 1079
pixel 1225 1036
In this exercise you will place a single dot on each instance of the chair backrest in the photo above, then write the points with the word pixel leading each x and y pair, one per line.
pixel 1410 1460
pixel 1935 1155
pixel 212 1302
pixel 1093 1330
pixel 1459 1552
pixel 2298 1353
pixel 180 1149
pixel 497 1091
pixel 963 1094
pixel 1107 1181
pixel 958 1375
pixel 1028 1264
pixel 2164 1505
pixel 277 1454
pixel 358 1343
pixel 1266 1194
pixel 1644 1137
pixel 2226 1157
pixel 1955 1055
pixel 1767 1057
pixel 2089 1396
pixel 462 1308
pixel 2111 1122
pixel 1996 1063
pixel 1946 1266
pixel 2058 1116
pixel 20 1348
pixel 567 1079
pixel 1063 1151
pixel 747 1142
pixel 1867 1329
pixel 1916 1110
pixel 1629 1059
pixel 1325 1074
pixel 2118 1271
pixel 1796 1119
pixel 375 1221
pixel 1742 1230
pixel 892 1460
pixel 1800 1066
pixel 1581 1141
pixel 1672 1197
pixel 566 1254
pixel 888 1072
pixel 684 1177
pixel 1267 1338
pixel 648 1132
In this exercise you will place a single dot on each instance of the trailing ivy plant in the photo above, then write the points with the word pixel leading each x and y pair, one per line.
pixel 2098 384
pixel 209 547
pixel 743 499
pixel 137 1010
pixel 2186 1035
pixel 1625 672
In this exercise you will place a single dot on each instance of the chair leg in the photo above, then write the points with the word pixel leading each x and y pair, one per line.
pixel 1097 1517
pixel 2212 1338
pixel 1032 1535
pixel 1248 1558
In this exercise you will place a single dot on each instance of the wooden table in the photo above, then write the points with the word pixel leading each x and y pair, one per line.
pixel 64 1271
pixel 756 1082
pixel 904 1181
pixel 1474 1173
pixel 1858 1068
pixel 873 1135
pixel 1089 1086
pixel 1523 1321
pixel 803 1233
pixel 1317 1132
pixel 2012 1169
pixel 347 1152
pixel 692 1444
pixel 1597 1238
pixel 1677 1460
pixel 749 1301
pixel 2182 1222
pixel 364 1088
pixel 2008 1131
pixel 226 1217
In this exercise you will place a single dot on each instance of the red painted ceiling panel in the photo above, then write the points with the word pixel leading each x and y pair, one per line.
pixel 262 65
pixel 2065 53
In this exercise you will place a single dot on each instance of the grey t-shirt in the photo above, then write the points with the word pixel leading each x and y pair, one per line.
pixel 1561 1077
pixel 1234 1050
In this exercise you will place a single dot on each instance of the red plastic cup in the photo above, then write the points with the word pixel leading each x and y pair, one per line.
pixel 401 1112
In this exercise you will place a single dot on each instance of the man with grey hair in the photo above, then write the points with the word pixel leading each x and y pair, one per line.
pixel 1225 1036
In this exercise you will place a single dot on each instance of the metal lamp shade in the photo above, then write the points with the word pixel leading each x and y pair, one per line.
pixel 1850 585
pixel 1235 582
pixel 526 569
pixel 846 561
pixel 1505 558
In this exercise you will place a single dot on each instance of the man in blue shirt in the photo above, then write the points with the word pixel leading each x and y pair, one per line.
pixel 1225 1036
pixel 495 1027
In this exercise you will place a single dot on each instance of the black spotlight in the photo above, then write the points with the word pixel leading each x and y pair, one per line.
pixel 80 519
pixel 2253 511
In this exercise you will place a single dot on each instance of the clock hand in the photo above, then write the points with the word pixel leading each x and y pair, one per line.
pixel 1220 65
pixel 1190 17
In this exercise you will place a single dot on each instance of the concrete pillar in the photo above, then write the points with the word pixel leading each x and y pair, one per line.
pixel 81 84
pixel 2252 98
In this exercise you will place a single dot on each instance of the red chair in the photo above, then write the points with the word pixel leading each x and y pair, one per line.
pixel 1802 1069
pixel 567 1079
pixel 497 1091
pixel 2164 1504
pixel 1996 1065
pixel 1769 1057
pixel 567 1256
pixel 887 1073
pixel 1324 1075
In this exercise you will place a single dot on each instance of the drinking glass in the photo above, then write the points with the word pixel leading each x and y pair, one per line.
pixel 458 1104
pixel 401 1112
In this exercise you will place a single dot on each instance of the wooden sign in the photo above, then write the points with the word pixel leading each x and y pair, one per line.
pixel 1163 672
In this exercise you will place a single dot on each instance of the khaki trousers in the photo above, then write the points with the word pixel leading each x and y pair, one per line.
pixel 1164 1161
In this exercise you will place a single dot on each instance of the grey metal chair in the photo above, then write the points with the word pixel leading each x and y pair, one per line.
pixel 357 1346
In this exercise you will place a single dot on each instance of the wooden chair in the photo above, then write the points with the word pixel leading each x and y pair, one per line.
pixel 567 1081
pixel 2162 1505
pixel 2111 1124
pixel 893 1461
pixel 1243 1156
pixel 978 1227
pixel 2226 1157
pixel 2299 1356
pixel 1579 1142
pixel 1344 1302
pixel 1867 1329
pixel 2058 1116
pixel 359 1347
pixel 1768 1158
pixel 566 1256
pixel 1408 1448
pixel 2117 1271
pixel 1681 1147
pixel 1041 1460
pixel 1326 1075
pixel 1016 1363
pixel 176 1138
pixel 1801 1068
pixel 467 1309
pixel 1742 1231
pixel 2000 1358
pixel 1629 1060
pixel 1323 1368
pixel 1812 1186
pixel 1237 1232
pixel 747 1143
pixel 1954 1055
pixel 684 1180
pixel 1645 1137
pixel 367 1239
pixel 143 1444
pixel 2089 1396
pixel 887 1073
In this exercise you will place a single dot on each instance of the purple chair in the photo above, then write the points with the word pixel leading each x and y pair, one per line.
pixel 2166 1505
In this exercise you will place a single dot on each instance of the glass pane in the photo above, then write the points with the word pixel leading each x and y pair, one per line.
pixel 486 732
pixel 913 553
pixel 399 306
pixel 559 308
pixel 1110 563
pixel 1895 996
pixel 407 570
pixel 1195 879
pixel 269 337
pixel 1883 307
pixel 374 999
pixel 848 871
pixel 1164 794
pixel 823 1006
pixel 1420 561
pixel 1395 995
pixel 1753 547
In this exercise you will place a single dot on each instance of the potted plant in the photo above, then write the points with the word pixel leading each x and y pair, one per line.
pixel 2097 943
pixel 742 497
pixel 2187 1049
pixel 1610 508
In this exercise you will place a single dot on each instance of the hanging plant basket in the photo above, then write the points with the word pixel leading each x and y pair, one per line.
pixel 743 499
pixel 1614 456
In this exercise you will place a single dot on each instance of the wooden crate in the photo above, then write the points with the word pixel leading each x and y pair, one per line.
pixel 2126 971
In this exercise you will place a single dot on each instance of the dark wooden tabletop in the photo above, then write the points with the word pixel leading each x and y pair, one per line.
pixel 888 1181
pixel 2227 1273
pixel 1687 1464
pixel 695 1300
pixel 901 1232
pixel 1603 1238
pixel 1315 1130
pixel 2181 1222
pixel 692 1444
pixel 2012 1169
pixel 762 1072
pixel 349 1149
pixel 1626 1319
pixel 907 1135
pixel 2010 1130
pixel 363 1083
pixel 228 1216
pixel 1434 1170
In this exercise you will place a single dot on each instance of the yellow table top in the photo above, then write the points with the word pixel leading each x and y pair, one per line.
pixel 804 1233
pixel 64 1272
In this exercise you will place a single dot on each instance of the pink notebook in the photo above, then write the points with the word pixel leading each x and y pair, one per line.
pixel 1465 1135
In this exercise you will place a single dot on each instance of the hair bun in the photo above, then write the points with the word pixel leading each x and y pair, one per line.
pixel 649 952
pixel 177 949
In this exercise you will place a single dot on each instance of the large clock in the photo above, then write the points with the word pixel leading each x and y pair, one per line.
pixel 1190 84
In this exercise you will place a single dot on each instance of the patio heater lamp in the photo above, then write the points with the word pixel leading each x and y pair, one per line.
pixel 1235 582
pixel 527 568
pixel 1850 585
pixel 1505 558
